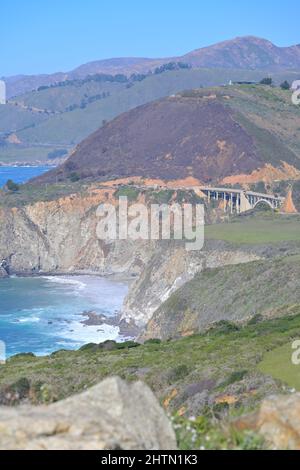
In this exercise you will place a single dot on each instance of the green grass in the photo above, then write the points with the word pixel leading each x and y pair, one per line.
pixel 278 363
pixel 13 118
pixel 19 153
pixel 127 191
pixel 268 113
pixel 255 231
pixel 176 363
pixel 58 99
pixel 32 193
pixel 167 367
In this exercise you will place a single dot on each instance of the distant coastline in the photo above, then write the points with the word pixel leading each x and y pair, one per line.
pixel 20 174
pixel 33 164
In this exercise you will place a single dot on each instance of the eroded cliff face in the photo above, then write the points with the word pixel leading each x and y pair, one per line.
pixel 60 237
pixel 169 268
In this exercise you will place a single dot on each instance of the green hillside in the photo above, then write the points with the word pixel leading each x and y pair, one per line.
pixel 65 114
pixel 67 96
pixel 266 288
pixel 191 376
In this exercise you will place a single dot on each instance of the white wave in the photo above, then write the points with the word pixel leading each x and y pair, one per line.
pixel 66 280
pixel 29 320
pixel 81 334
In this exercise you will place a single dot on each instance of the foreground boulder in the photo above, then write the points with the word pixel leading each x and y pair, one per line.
pixel 111 415
pixel 278 421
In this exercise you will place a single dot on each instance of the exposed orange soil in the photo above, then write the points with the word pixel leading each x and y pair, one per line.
pixel 227 399
pixel 289 206
pixel 13 139
pixel 170 397
pixel 174 184
pixel 267 174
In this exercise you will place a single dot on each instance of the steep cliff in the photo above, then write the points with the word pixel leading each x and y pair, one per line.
pixel 170 268
pixel 60 236
pixel 241 293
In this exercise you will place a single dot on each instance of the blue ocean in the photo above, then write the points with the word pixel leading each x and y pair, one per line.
pixel 20 174
pixel 45 314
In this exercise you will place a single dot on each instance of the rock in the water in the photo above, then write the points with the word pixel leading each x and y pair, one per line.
pixel 3 272
pixel 111 415
pixel 278 421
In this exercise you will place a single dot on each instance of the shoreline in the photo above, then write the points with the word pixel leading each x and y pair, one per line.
pixel 127 330
pixel 26 165
pixel 117 277
pixel 88 318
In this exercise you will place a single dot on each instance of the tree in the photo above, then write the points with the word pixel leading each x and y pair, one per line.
pixel 266 81
pixel 74 177
pixel 285 85
pixel 12 186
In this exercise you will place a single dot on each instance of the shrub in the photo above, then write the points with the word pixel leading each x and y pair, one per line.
pixel 74 177
pixel 234 377
pixel 163 196
pixel 256 319
pixel 12 394
pixel 224 326
pixel 266 81
pixel 12 186
pixel 285 85
pixel 108 345
pixel 21 387
pixel 90 347
pixel 128 345
pixel 127 191
pixel 171 66
pixel 177 373
pixel 153 341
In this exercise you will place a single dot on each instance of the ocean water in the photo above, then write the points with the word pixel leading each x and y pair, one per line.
pixel 20 174
pixel 44 314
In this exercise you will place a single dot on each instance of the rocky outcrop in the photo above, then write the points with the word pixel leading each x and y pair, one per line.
pixel 278 421
pixel 3 273
pixel 4 268
pixel 111 415
pixel 170 267
pixel 226 293
pixel 60 236
pixel 289 206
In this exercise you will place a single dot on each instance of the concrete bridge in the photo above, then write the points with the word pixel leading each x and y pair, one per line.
pixel 238 200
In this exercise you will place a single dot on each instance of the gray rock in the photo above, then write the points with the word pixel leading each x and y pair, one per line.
pixel 111 415
pixel 278 421
pixel 3 273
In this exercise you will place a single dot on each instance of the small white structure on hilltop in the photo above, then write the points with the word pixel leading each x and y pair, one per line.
pixel 296 85
pixel 2 92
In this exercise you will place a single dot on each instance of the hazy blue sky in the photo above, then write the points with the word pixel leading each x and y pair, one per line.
pixel 42 36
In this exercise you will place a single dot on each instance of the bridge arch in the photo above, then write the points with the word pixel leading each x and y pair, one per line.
pixel 263 201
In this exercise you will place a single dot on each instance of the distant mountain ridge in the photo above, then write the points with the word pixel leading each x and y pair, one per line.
pixel 245 53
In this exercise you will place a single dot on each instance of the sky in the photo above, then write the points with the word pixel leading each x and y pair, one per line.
pixel 46 36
